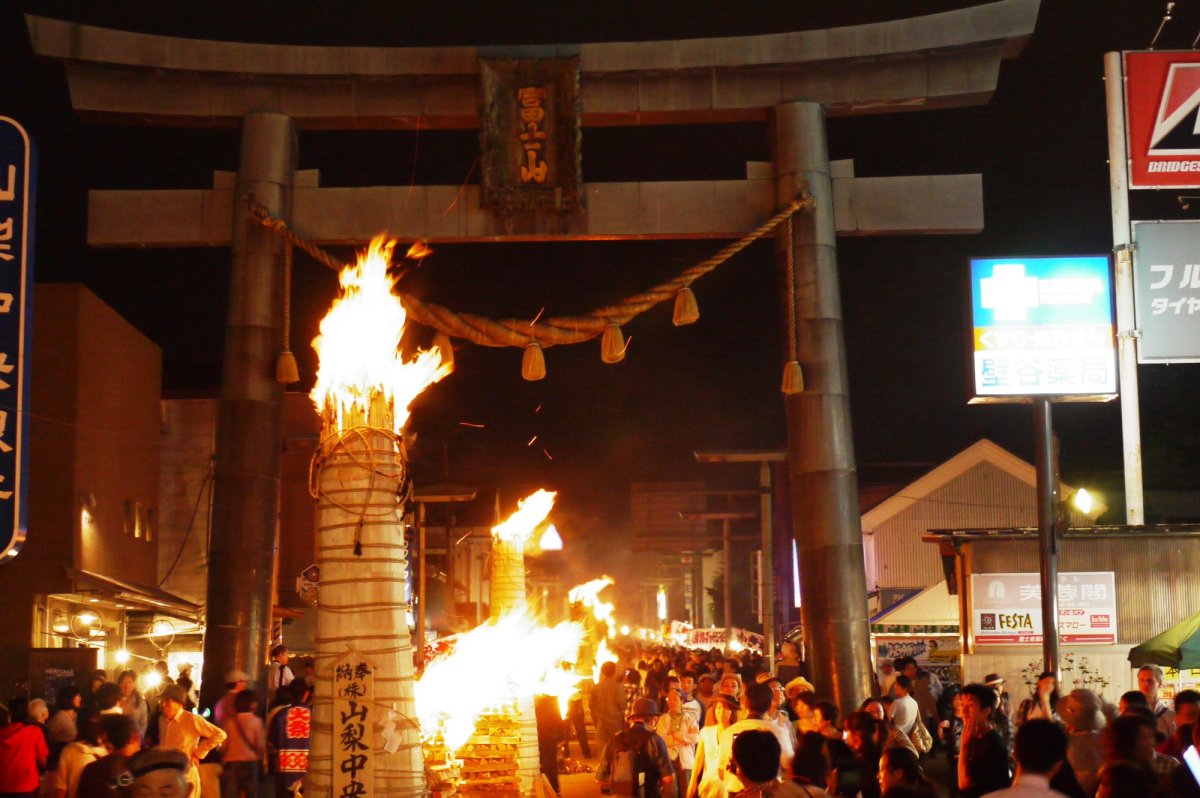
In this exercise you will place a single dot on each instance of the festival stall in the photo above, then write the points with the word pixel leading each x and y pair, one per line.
pixel 924 627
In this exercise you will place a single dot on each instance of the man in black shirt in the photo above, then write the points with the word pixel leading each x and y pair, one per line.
pixel 983 761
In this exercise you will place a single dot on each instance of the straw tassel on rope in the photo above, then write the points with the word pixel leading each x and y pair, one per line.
pixel 612 345
pixel 533 362
pixel 793 375
pixel 286 370
pixel 687 311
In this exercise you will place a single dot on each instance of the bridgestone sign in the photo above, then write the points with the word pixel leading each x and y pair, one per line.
pixel 1166 281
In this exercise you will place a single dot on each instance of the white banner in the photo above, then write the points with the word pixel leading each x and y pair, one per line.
pixel 1006 609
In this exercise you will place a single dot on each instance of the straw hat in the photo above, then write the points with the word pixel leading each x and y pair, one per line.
pixel 1081 710
pixel 797 686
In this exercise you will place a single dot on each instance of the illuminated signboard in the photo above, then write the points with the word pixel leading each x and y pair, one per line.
pixel 16 280
pixel 1162 94
pixel 1042 327
pixel 1006 609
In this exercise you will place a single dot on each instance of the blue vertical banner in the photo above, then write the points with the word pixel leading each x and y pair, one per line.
pixel 17 180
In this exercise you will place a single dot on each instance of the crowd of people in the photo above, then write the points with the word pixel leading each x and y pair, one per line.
pixel 89 743
pixel 671 723
pixel 688 724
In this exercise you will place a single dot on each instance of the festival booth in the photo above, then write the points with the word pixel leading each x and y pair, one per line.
pixel 924 627
pixel 1177 650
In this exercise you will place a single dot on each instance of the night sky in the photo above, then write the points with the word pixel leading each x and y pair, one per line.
pixel 1040 144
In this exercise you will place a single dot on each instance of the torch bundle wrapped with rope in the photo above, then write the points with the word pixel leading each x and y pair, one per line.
pixel 364 733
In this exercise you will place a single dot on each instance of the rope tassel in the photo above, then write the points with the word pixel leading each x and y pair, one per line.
pixel 687 311
pixel 286 370
pixel 533 362
pixel 793 379
pixel 612 345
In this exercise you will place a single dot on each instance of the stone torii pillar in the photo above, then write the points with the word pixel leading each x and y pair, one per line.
pixel 824 482
pixel 249 422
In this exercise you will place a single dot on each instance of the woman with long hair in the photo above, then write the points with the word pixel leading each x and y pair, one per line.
pixel 1042 701
pixel 131 702
pixel 722 713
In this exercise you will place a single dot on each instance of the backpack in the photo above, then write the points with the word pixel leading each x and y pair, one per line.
pixel 632 767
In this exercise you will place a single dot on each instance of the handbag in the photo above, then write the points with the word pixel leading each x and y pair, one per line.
pixel 920 738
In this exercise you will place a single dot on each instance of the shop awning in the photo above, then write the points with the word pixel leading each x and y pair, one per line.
pixel 932 611
pixel 1178 647
pixel 141 596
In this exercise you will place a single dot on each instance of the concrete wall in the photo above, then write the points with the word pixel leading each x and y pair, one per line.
pixel 188 440
pixel 117 436
pixel 95 383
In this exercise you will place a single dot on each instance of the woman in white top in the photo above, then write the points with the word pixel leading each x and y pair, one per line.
pixel 722 713
pixel 75 757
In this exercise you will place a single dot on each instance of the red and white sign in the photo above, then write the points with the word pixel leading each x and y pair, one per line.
pixel 1162 117
pixel 1006 609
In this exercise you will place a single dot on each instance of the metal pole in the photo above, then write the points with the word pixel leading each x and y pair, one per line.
pixel 1047 508
pixel 727 578
pixel 1118 186
pixel 767 574
pixel 422 590
pixel 245 510
pixel 821 468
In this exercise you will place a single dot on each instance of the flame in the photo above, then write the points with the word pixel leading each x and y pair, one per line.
pixel 359 348
pixel 531 511
pixel 459 687
pixel 588 594
pixel 603 655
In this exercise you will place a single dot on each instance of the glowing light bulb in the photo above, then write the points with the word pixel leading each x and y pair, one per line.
pixel 121 657
pixel 152 680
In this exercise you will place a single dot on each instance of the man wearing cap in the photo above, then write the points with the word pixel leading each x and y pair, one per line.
pixel 1002 717
pixel 235 682
pixel 157 773
pixel 637 755
pixel 185 732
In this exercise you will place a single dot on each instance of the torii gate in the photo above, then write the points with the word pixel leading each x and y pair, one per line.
pixel 792 80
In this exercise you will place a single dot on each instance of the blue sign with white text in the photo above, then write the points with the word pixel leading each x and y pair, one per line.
pixel 17 181
pixel 1043 327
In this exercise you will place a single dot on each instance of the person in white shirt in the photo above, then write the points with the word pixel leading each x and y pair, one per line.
pixel 1150 679
pixel 1040 750
pixel 903 710
pixel 278 673
pixel 758 703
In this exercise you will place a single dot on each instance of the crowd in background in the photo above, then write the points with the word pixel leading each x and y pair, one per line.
pixel 82 745
pixel 687 709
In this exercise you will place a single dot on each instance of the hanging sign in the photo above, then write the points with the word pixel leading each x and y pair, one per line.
pixel 1043 327
pixel 354 719
pixel 308 585
pixel 1006 609
pixel 17 168
pixel 1166 287
pixel 530 134
pixel 1162 100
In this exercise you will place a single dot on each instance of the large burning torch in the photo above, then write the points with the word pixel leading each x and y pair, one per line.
pixel 364 736
pixel 508 595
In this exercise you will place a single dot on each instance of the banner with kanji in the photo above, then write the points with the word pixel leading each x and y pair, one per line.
pixel 354 719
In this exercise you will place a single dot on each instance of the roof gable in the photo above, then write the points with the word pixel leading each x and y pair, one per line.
pixel 981 451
